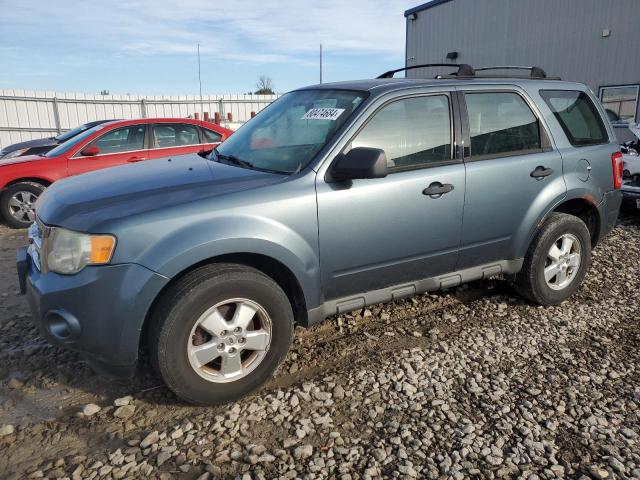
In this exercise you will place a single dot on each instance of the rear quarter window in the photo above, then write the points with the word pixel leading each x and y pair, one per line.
pixel 577 115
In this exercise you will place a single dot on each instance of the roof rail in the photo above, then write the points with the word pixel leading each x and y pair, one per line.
pixel 464 70
pixel 536 72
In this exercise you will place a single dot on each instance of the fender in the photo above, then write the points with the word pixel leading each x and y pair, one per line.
pixel 546 202
pixel 198 242
pixel 575 194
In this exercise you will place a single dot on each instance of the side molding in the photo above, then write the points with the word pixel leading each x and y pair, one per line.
pixel 396 292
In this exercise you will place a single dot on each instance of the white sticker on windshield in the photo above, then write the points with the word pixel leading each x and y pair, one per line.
pixel 323 114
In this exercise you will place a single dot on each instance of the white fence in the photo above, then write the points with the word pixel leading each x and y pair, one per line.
pixel 25 115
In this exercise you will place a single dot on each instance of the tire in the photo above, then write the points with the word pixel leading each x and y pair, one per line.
pixel 530 281
pixel 174 336
pixel 26 193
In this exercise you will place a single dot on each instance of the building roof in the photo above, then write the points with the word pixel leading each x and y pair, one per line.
pixel 425 6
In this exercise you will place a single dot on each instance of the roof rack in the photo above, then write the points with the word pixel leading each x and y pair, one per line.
pixel 464 70
pixel 467 71
pixel 535 72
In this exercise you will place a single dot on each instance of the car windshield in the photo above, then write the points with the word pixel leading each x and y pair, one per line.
pixel 288 134
pixel 63 137
pixel 69 144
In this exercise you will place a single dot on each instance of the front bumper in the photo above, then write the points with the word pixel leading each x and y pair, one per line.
pixel 98 312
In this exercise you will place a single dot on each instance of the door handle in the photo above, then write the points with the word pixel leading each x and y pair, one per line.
pixel 540 172
pixel 437 189
pixel 135 159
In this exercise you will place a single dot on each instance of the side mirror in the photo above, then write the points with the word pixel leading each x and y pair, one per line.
pixel 359 163
pixel 90 151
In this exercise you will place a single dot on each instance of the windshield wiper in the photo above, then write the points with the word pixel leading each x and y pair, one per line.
pixel 235 160
pixel 244 163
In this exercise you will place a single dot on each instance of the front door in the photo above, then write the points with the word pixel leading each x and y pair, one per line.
pixel 376 233
pixel 513 175
pixel 115 147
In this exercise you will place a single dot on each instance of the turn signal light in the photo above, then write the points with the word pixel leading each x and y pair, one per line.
pixel 101 248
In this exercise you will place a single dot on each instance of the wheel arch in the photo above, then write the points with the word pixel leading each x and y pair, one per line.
pixel 587 211
pixel 42 181
pixel 271 267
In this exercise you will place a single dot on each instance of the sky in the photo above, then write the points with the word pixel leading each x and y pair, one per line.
pixel 149 47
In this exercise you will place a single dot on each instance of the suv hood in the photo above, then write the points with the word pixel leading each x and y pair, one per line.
pixel 86 202
pixel 38 142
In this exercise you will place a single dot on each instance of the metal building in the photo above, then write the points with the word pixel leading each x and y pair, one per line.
pixel 596 42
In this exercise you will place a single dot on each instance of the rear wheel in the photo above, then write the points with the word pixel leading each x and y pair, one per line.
pixel 220 332
pixel 17 203
pixel 557 261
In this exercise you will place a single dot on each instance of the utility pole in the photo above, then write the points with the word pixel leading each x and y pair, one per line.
pixel 320 63
pixel 200 83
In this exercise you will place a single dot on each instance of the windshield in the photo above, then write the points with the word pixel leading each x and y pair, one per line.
pixel 63 137
pixel 288 134
pixel 69 144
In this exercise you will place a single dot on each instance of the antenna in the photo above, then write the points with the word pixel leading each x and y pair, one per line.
pixel 320 63
pixel 200 83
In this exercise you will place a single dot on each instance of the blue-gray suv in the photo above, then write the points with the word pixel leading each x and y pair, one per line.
pixel 335 197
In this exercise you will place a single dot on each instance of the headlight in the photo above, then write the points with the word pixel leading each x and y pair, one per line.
pixel 69 252
pixel 15 153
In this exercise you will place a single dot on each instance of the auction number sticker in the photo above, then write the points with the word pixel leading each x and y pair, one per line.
pixel 323 114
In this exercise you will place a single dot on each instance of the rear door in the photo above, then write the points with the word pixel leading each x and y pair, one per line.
pixel 512 173
pixel 116 147
pixel 169 139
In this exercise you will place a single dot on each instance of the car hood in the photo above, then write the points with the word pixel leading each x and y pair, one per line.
pixel 24 159
pixel 38 142
pixel 88 201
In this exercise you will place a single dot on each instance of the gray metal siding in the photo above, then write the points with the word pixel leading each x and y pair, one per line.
pixel 564 37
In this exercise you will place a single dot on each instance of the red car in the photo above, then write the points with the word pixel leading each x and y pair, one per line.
pixel 22 179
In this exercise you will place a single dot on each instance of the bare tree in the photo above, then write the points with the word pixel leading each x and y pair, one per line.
pixel 264 86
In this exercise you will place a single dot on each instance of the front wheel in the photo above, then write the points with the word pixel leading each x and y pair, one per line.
pixel 220 332
pixel 17 203
pixel 557 261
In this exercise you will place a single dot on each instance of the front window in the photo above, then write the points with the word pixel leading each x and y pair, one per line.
pixel 413 132
pixel 286 136
pixel 72 142
pixel 126 139
pixel 621 103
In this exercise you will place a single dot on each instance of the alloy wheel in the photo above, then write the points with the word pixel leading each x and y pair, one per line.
pixel 21 206
pixel 563 262
pixel 229 340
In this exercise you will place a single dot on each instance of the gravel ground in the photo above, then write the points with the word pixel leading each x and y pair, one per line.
pixel 468 382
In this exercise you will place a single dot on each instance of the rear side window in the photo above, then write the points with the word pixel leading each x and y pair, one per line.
pixel 577 116
pixel 414 132
pixel 501 124
pixel 210 136
pixel 175 135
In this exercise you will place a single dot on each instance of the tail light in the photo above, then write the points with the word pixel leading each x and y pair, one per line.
pixel 618 166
